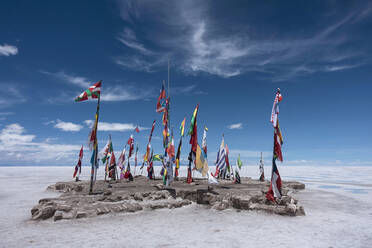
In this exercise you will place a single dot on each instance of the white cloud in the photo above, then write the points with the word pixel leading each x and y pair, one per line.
pixel 67 126
pixel 119 127
pixel 7 50
pixel 235 126
pixel 16 147
pixel 75 80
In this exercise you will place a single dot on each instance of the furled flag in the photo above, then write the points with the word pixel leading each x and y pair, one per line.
pixel 170 148
pixel 220 161
pixel 278 142
pixel 147 154
pixel 152 130
pixel 159 105
pixel 105 153
pixel 193 131
pixel 201 163
pixel 112 168
pixel 92 138
pixel 137 129
pixel 122 158
pixel 182 127
pixel 204 143
pixel 227 158
pixel 131 145
pixel 262 171
pixel 78 165
pixel 135 157
pixel 92 92
pixel 275 110
pixel 239 162
pixel 275 185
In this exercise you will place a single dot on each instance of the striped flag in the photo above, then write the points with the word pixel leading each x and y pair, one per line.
pixel 93 91
pixel 220 161
pixel 78 165
pixel 275 185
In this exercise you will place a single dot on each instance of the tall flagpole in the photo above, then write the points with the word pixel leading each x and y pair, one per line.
pixel 94 165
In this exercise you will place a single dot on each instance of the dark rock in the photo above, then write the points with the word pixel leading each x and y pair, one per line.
pixel 81 215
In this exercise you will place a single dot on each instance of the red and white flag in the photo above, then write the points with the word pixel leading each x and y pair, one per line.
pixel 275 185
pixel 275 110
pixel 78 165
pixel 93 91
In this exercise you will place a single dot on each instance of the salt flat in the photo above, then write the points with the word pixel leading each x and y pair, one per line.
pixel 337 201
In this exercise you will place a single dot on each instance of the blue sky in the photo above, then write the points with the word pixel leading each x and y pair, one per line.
pixel 227 56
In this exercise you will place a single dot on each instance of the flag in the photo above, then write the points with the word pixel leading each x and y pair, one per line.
pixel 278 142
pixel 182 127
pixel 137 129
pixel 239 162
pixel 78 165
pixel 147 154
pixel 275 110
pixel 152 130
pixel 227 158
pixel 131 145
pixel 275 185
pixel 193 130
pixel 201 163
pixel 135 156
pixel 158 157
pixel 211 178
pixel 220 161
pixel 91 138
pixel 178 157
pixel 159 105
pixel 106 151
pixel 122 158
pixel 92 92
pixel 204 142
pixel 112 168
pixel 170 148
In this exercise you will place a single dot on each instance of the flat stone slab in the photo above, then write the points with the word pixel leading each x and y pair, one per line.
pixel 125 196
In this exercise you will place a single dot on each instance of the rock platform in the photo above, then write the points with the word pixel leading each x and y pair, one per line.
pixel 124 196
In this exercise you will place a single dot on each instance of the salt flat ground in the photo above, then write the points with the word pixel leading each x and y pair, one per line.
pixel 337 201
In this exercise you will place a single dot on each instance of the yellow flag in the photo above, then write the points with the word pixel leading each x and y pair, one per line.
pixel 182 127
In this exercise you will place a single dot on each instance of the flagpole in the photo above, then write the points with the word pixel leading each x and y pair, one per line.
pixel 95 149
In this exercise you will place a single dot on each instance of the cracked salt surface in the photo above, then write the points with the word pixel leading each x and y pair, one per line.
pixel 337 201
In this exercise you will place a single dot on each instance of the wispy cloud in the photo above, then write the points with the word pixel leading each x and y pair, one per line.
pixel 235 126
pixel 75 80
pixel 119 127
pixel 67 126
pixel 128 38
pixel 197 42
pixel 10 95
pixel 7 50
